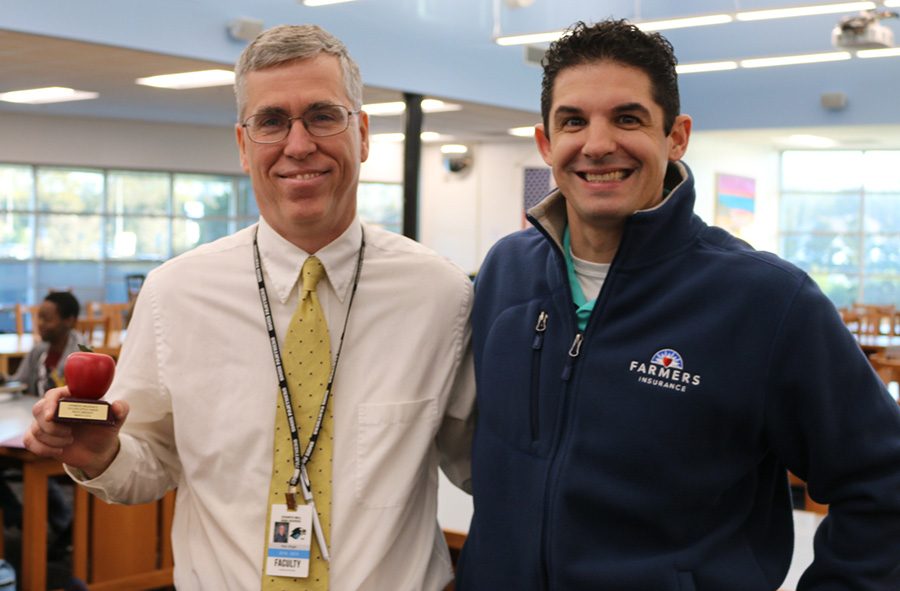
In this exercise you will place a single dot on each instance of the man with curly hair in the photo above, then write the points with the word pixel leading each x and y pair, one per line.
pixel 645 381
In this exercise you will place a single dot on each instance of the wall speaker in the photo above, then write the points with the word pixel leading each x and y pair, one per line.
pixel 834 101
pixel 245 28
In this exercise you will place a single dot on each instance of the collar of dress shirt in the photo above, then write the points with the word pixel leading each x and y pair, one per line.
pixel 282 260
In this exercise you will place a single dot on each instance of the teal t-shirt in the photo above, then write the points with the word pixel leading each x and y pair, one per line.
pixel 583 308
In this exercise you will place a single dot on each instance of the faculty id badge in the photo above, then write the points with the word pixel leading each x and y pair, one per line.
pixel 288 545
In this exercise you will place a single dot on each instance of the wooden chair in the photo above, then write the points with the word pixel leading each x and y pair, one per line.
pixel 118 314
pixel 122 546
pixel 32 312
pixel 88 328
pixel 808 503
pixel 116 311
pixel 850 317
pixel 455 541
pixel 874 319
pixel 887 366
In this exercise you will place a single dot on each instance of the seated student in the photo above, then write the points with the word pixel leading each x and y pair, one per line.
pixel 42 368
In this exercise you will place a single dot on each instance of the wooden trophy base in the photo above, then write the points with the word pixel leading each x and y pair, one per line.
pixel 85 411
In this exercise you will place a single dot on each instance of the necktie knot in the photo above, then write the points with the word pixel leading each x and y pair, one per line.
pixel 311 273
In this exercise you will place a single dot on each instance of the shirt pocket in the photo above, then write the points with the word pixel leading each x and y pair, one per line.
pixel 393 443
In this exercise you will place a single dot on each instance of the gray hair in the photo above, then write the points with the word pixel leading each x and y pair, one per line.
pixel 286 43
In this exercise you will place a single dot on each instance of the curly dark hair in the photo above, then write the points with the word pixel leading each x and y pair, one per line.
pixel 617 41
pixel 66 303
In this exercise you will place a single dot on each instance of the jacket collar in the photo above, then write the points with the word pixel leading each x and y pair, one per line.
pixel 650 234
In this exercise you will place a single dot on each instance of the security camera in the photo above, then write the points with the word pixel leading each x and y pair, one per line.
pixel 456 157
pixel 455 163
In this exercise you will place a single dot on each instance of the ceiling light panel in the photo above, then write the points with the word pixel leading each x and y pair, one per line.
pixel 683 23
pixel 454 149
pixel 526 131
pixel 48 94
pixel 399 107
pixel 699 67
pixel 790 60
pixel 187 80
pixel 526 39
pixel 811 10
pixel 870 53
pixel 323 2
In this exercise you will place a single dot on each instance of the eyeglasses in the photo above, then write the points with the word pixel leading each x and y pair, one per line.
pixel 319 121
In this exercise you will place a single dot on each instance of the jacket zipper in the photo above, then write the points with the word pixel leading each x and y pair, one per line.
pixel 572 356
pixel 537 346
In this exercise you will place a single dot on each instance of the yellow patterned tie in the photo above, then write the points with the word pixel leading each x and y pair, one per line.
pixel 307 364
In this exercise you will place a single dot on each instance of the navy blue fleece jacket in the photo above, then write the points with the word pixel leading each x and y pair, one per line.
pixel 649 452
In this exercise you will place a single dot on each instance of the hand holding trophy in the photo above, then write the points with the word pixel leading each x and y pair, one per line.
pixel 88 376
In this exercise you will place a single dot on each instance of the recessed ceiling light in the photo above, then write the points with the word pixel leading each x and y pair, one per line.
pixel 185 80
pixel 398 107
pixel 436 106
pixel 705 67
pixel 49 94
pixel 323 2
pixel 683 23
pixel 759 15
pixel 454 149
pixel 548 37
pixel 526 131
pixel 888 52
pixel 790 60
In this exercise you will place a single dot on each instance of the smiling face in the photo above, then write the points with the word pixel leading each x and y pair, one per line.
pixel 607 146
pixel 305 186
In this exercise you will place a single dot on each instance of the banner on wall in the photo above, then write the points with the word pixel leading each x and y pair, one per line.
pixel 735 203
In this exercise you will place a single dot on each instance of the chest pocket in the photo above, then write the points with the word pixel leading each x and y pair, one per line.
pixel 393 442
pixel 519 377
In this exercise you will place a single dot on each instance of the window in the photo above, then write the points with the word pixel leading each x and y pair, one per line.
pixel 85 229
pixel 840 222
pixel 381 204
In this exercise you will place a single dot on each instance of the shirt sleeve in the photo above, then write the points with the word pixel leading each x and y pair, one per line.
pixel 147 465
pixel 454 438
pixel 833 423
pixel 23 371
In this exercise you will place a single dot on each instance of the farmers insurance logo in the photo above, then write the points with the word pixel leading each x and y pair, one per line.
pixel 665 370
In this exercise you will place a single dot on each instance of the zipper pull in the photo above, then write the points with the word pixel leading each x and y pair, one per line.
pixel 574 352
pixel 539 330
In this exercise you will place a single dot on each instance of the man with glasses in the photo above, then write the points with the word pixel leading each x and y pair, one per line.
pixel 212 385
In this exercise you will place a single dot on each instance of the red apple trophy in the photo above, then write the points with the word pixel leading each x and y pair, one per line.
pixel 88 376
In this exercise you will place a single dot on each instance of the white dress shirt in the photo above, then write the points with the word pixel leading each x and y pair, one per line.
pixel 198 373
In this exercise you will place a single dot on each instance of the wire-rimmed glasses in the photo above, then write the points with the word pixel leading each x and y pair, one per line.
pixel 319 121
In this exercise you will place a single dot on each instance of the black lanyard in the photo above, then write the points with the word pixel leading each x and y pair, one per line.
pixel 300 462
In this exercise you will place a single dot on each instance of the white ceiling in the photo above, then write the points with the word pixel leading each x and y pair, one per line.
pixel 28 61
pixel 31 61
